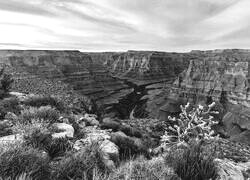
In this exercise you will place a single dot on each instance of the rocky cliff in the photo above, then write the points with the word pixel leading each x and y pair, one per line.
pixel 146 71
pixel 143 67
pixel 142 83
pixel 116 81
pixel 38 71
pixel 221 76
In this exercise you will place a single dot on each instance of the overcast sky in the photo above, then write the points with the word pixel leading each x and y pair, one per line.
pixel 101 25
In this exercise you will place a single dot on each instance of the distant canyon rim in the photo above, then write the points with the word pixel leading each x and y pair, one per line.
pixel 143 84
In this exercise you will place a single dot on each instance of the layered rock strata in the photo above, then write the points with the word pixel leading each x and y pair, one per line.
pixel 39 70
pixel 219 76
pixel 148 72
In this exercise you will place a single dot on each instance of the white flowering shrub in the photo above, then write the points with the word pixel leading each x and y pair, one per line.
pixel 192 123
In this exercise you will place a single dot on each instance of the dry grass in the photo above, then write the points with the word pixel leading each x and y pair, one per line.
pixel 46 114
pixel 21 159
pixel 141 168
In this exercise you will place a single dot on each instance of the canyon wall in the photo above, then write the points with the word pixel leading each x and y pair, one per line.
pixel 115 81
pixel 148 72
pixel 143 67
pixel 220 76
pixel 38 71
pixel 142 83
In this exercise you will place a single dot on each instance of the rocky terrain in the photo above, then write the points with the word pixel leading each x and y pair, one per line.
pixel 36 71
pixel 141 83
pixel 122 101
pixel 212 76
pixel 146 71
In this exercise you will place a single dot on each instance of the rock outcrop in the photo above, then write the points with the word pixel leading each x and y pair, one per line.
pixel 231 170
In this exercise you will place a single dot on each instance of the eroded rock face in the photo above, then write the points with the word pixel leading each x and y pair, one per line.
pixel 146 71
pixel 141 83
pixel 143 67
pixel 57 72
pixel 219 76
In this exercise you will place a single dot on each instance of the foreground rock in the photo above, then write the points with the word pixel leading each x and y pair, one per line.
pixel 93 135
pixel 110 153
pixel 62 130
pixel 100 139
pixel 129 145
pixel 11 139
pixel 109 123
pixel 89 119
pixel 229 170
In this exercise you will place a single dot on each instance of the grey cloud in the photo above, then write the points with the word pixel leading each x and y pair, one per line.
pixel 11 44
pixel 102 22
pixel 151 24
pixel 24 7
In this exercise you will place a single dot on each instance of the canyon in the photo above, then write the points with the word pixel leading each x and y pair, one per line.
pixel 142 84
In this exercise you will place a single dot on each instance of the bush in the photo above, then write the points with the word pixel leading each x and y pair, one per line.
pixel 23 176
pixel 38 101
pixel 37 137
pixel 81 165
pixel 57 147
pixel 10 104
pixel 46 114
pixel 6 81
pixel 192 123
pixel 141 168
pixel 19 160
pixel 192 163
pixel 41 138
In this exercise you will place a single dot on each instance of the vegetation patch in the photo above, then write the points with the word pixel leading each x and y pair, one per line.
pixel 46 114
pixel 21 159
pixel 38 101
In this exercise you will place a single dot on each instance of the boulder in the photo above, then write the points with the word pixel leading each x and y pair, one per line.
pixel 66 130
pixel 11 116
pixel 11 139
pixel 110 149
pixel 128 145
pixel 63 120
pixel 89 119
pixel 130 131
pixel 243 137
pixel 229 170
pixel 243 119
pixel 20 96
pixel 92 135
pixel 110 153
pixel 108 123
pixel 5 124
pixel 229 123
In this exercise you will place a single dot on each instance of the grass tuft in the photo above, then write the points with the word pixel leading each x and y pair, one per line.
pixel 47 114
pixel 16 161
pixel 192 163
